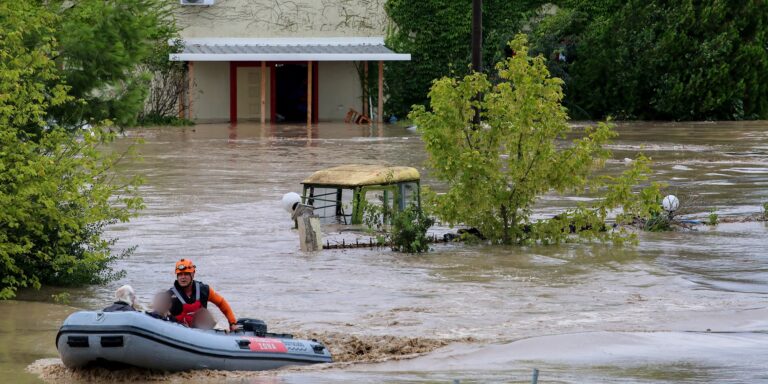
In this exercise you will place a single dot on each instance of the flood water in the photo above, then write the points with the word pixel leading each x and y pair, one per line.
pixel 679 307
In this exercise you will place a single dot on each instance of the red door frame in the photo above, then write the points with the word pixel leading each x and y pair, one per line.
pixel 233 65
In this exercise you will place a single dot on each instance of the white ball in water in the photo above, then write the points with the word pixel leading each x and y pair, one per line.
pixel 289 200
pixel 670 203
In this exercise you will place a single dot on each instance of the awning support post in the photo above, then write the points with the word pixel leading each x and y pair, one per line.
pixel 365 89
pixel 263 92
pixel 380 111
pixel 232 92
pixel 309 93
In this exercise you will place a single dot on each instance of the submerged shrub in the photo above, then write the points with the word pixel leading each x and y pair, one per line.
pixel 713 218
pixel 409 230
pixel 497 169
pixel 57 195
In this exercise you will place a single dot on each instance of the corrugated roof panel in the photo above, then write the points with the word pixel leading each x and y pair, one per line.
pixel 275 50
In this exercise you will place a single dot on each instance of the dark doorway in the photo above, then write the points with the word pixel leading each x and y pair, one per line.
pixel 291 93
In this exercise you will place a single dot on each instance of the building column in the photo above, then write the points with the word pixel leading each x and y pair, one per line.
pixel 232 92
pixel 309 93
pixel 380 112
pixel 263 92
pixel 190 85
pixel 365 89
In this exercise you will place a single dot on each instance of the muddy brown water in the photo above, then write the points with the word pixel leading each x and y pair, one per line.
pixel 679 307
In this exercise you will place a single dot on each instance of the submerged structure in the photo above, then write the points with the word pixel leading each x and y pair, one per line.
pixel 340 195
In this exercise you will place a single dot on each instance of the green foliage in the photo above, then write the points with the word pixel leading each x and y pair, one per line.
pixel 55 202
pixel 57 193
pixel 409 230
pixel 61 298
pixel 437 34
pixel 661 60
pixel 105 49
pixel 713 218
pixel 496 171
pixel 27 42
pixel 156 120
pixel 373 216
pixel 764 213
pixel 658 223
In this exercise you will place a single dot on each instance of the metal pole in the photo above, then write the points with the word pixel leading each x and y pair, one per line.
pixel 477 48
pixel 477 35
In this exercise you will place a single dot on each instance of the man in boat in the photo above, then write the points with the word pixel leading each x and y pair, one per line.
pixel 189 295
pixel 126 300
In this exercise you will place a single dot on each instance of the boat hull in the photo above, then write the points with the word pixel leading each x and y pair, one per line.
pixel 135 339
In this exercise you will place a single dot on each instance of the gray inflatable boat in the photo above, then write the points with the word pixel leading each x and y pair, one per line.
pixel 136 339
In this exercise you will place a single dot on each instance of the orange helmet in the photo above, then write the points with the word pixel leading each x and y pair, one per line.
pixel 185 266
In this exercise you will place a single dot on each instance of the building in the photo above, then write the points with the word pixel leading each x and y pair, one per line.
pixel 282 61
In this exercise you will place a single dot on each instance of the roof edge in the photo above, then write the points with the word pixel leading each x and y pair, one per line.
pixel 298 41
pixel 290 57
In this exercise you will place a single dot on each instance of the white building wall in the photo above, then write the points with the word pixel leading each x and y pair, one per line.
pixel 279 18
pixel 339 90
pixel 338 82
pixel 210 92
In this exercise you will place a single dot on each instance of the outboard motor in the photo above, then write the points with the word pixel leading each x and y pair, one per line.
pixel 258 327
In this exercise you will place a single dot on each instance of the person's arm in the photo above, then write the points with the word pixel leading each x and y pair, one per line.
pixel 217 299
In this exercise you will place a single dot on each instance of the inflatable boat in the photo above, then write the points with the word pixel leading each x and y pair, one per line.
pixel 136 339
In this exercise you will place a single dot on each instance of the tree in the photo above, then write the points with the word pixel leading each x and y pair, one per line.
pixel 105 48
pixel 496 171
pixel 684 60
pixel 57 193
pixel 437 34
pixel 168 85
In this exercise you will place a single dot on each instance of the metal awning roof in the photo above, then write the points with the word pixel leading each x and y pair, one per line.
pixel 288 49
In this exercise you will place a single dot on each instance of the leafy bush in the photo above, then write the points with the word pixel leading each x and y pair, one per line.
pixel 713 218
pixel 57 193
pixel 437 35
pixel 55 202
pixel 409 230
pixel 662 60
pixel 107 53
pixel 495 171
pixel 154 120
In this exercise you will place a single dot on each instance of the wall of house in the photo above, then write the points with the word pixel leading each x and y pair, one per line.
pixel 271 18
pixel 210 92
pixel 338 90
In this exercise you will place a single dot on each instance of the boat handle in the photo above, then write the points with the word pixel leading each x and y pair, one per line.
pixel 244 343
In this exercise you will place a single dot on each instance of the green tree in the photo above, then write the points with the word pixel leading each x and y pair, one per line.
pixel 684 60
pixel 437 34
pixel 106 53
pixel 496 171
pixel 57 193
pixel 409 230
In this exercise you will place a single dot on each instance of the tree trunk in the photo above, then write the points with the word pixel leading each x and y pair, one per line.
pixel 505 218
